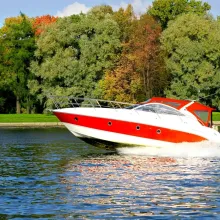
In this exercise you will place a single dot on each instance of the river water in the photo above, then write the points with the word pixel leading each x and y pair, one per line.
pixel 50 174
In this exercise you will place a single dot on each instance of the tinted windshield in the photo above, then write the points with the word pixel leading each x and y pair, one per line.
pixel 173 104
pixel 202 114
pixel 159 109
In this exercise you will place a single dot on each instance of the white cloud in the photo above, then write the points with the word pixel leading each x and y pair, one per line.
pixel 139 6
pixel 75 8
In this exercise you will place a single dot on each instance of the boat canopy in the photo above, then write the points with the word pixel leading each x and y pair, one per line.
pixel 201 112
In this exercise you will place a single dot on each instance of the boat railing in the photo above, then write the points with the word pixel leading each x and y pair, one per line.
pixel 75 102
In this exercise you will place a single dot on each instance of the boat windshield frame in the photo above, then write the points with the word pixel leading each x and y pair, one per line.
pixel 133 106
pixel 159 108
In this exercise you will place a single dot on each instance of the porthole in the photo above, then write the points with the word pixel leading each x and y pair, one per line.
pixel 138 127
pixel 109 123
pixel 75 119
pixel 158 131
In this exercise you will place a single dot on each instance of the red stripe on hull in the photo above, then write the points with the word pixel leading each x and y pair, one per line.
pixel 129 128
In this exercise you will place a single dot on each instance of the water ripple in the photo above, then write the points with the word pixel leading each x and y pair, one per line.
pixel 60 177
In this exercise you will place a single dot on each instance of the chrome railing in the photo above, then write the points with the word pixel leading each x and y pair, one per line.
pixel 75 102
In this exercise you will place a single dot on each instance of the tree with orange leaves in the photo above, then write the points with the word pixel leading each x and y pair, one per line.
pixel 146 52
pixel 40 23
pixel 121 84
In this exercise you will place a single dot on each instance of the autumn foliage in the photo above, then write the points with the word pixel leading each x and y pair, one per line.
pixel 40 23
pixel 140 71
pixel 123 83
pixel 145 47
pixel 10 22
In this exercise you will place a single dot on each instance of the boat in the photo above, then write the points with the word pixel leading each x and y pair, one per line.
pixel 157 122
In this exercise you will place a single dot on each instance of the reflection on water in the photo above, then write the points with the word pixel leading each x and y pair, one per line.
pixel 49 174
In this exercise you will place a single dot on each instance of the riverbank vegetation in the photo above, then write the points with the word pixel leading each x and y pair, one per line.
pixel 216 116
pixel 20 118
pixel 171 50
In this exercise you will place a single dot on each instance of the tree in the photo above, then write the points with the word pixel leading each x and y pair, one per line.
pixel 122 84
pixel 192 53
pixel 17 43
pixel 140 74
pixel 145 45
pixel 42 22
pixel 72 55
pixel 100 11
pixel 125 19
pixel 166 10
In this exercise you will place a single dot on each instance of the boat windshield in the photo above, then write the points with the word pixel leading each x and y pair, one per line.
pixel 159 109
pixel 203 114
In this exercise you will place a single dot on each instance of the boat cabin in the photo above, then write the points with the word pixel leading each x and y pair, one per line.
pixel 201 112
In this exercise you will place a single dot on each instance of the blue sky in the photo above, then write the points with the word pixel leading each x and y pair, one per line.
pixel 33 8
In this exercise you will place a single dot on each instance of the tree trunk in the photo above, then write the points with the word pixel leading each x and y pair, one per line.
pixel 28 109
pixel 18 105
pixel 145 86
pixel 148 86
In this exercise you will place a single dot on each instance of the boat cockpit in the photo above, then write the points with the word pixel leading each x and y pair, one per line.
pixel 170 106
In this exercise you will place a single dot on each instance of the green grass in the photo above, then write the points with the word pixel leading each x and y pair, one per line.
pixel 17 118
pixel 216 116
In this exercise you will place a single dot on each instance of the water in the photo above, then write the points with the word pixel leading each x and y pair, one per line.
pixel 49 174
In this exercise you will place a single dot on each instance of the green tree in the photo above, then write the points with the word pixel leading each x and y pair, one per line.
pixel 17 50
pixel 192 48
pixel 100 11
pixel 166 10
pixel 125 19
pixel 72 55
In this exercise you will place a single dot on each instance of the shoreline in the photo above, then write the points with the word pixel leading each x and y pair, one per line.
pixel 31 124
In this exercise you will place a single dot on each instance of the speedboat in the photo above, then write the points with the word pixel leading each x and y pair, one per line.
pixel 157 122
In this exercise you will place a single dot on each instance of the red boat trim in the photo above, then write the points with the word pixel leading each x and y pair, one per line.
pixel 129 128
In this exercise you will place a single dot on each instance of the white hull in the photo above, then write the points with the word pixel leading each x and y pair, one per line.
pixel 122 120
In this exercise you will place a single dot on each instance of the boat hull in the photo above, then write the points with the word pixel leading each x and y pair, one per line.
pixel 112 139
pixel 104 127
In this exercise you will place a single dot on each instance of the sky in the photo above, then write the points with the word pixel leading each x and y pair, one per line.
pixel 33 8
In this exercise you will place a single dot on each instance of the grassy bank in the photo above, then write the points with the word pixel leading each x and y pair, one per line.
pixel 17 118
pixel 216 116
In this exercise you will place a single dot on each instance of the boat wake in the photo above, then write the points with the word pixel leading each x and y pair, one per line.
pixel 204 149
